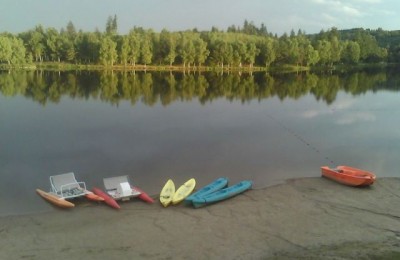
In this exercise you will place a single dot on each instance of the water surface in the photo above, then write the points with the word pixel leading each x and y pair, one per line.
pixel 158 126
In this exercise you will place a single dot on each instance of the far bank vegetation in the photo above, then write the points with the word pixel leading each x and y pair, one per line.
pixel 248 47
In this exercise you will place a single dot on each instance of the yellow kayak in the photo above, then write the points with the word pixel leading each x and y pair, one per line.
pixel 184 191
pixel 167 193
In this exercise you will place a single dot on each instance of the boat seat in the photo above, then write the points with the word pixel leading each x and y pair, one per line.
pixel 66 185
pixel 112 183
pixel 124 189
pixel 120 188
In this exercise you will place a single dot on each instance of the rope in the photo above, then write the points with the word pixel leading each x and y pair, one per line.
pixel 301 139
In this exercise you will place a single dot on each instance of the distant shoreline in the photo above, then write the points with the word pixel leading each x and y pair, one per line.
pixel 56 66
pixel 139 67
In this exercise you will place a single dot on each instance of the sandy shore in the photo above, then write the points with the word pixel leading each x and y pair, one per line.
pixel 311 218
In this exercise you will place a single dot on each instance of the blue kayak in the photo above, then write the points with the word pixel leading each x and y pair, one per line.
pixel 210 188
pixel 222 194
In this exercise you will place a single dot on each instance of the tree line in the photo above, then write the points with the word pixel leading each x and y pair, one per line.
pixel 166 88
pixel 236 47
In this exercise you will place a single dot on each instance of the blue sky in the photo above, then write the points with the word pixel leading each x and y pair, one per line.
pixel 278 15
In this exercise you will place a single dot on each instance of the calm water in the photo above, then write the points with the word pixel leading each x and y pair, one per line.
pixel 158 126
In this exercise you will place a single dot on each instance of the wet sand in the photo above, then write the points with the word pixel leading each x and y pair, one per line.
pixel 310 218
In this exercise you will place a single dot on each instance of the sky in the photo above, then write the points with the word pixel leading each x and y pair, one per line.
pixel 279 16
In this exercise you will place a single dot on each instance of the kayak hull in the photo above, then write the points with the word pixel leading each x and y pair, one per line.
pixel 107 199
pixel 55 200
pixel 167 193
pixel 183 191
pixel 91 196
pixel 214 186
pixel 348 175
pixel 222 194
pixel 144 196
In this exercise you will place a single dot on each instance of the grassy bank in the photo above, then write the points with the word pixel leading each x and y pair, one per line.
pixel 69 66
pixel 285 68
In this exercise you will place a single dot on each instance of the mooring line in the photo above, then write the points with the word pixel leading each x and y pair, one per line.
pixel 301 139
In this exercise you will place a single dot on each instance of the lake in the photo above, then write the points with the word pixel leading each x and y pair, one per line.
pixel 156 126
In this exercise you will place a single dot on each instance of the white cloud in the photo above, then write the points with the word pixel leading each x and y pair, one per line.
pixel 311 113
pixel 329 18
pixel 319 1
pixel 356 117
pixel 340 7
pixel 340 105
pixel 368 1
pixel 351 11
pixel 343 104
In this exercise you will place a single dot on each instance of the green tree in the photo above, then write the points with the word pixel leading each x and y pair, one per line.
pixel 201 51
pixel 134 43
pixel 267 51
pixel 53 44
pixel 239 52
pixel 67 38
pixel 186 48
pixel 351 52
pixel 18 51
pixel 303 49
pixel 71 31
pixel 125 50
pixel 284 49
pixel 394 53
pixel 219 52
pixel 5 49
pixel 251 53
pixel 168 46
pixel 88 47
pixel 108 53
pixel 34 40
pixel 312 55
pixel 336 50
pixel 67 49
pixel 369 48
pixel 146 48
pixel 249 28
pixel 324 49
pixel 228 54
pixel 112 25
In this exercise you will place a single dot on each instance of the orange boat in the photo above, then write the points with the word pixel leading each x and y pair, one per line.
pixel 54 199
pixel 348 175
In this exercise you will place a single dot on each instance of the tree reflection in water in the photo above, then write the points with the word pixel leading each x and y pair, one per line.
pixel 168 87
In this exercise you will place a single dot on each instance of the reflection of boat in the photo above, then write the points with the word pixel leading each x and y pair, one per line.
pixel 54 199
pixel 222 194
pixel 183 191
pixel 208 189
pixel 348 175
pixel 107 199
pixel 167 193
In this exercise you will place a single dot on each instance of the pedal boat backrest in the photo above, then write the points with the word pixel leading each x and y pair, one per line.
pixel 119 187
pixel 66 186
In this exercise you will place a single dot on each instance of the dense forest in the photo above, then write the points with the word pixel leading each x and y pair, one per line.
pixel 247 46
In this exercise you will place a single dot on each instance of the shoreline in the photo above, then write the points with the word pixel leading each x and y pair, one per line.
pixel 308 218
